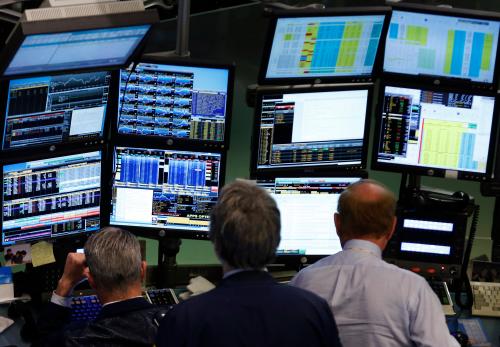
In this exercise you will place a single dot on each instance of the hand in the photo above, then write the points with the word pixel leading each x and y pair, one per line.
pixel 75 270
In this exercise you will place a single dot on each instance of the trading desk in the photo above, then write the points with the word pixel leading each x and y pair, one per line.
pixel 12 335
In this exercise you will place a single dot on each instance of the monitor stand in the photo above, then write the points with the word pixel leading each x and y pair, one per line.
pixel 168 248
pixel 412 196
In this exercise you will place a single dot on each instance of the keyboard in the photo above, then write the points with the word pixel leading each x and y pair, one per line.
pixel 162 297
pixel 85 308
pixel 443 294
pixel 486 299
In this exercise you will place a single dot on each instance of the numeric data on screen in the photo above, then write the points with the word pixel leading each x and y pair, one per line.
pixel 436 45
pixel 324 46
pixel 76 49
pixel 313 128
pixel 51 197
pixel 435 129
pixel 174 101
pixel 164 189
pixel 56 109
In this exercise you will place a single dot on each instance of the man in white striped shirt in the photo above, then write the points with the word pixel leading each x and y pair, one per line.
pixel 375 304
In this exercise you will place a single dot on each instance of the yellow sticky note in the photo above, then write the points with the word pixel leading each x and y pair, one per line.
pixel 42 253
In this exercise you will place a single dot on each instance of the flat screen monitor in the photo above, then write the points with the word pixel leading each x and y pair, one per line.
pixel 56 109
pixel 428 237
pixel 307 206
pixel 326 46
pixel 442 45
pixel 83 49
pixel 435 132
pixel 181 102
pixel 51 198
pixel 165 189
pixel 310 129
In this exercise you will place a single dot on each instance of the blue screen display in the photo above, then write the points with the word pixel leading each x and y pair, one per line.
pixel 50 198
pixel 176 101
pixel 164 189
pixel 76 49
pixel 56 109
pixel 324 46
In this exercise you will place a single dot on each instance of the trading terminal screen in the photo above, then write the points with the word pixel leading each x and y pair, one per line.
pixel 430 129
pixel 50 198
pixel 437 45
pixel 324 46
pixel 76 50
pixel 429 237
pixel 185 102
pixel 164 189
pixel 426 226
pixel 307 206
pixel 56 109
pixel 312 128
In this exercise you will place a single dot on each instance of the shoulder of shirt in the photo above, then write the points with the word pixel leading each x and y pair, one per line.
pixel 327 263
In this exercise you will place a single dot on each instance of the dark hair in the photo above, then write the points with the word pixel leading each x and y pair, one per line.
pixel 245 226
pixel 113 256
pixel 366 216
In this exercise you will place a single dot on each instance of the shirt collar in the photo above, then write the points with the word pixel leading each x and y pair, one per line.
pixel 120 307
pixel 363 245
pixel 235 271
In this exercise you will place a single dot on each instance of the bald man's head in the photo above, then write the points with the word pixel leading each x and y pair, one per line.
pixel 366 209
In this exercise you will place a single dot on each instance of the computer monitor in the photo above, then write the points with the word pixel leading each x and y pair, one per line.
pixel 56 109
pixel 51 198
pixel 430 243
pixel 176 102
pixel 307 206
pixel 443 44
pixel 327 46
pixel 435 132
pixel 311 129
pixel 74 43
pixel 165 190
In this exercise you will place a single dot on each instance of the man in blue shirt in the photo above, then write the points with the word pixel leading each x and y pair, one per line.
pixel 376 304
pixel 248 307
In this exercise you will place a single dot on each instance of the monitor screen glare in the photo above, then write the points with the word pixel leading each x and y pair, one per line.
pixel 307 206
pixel 324 46
pixel 312 128
pixel 174 101
pixel 164 189
pixel 431 129
pixel 50 198
pixel 437 45
pixel 56 109
pixel 76 50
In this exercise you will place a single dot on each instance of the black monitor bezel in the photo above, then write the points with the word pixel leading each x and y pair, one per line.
pixel 431 171
pixel 445 80
pixel 60 25
pixel 303 259
pixel 41 149
pixel 309 169
pixel 456 240
pixel 170 141
pixel 154 232
pixel 36 156
pixel 331 12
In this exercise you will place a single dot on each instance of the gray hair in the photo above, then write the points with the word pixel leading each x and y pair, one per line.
pixel 113 256
pixel 245 226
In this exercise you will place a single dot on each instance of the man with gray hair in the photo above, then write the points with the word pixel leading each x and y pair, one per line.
pixel 248 307
pixel 376 304
pixel 112 264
